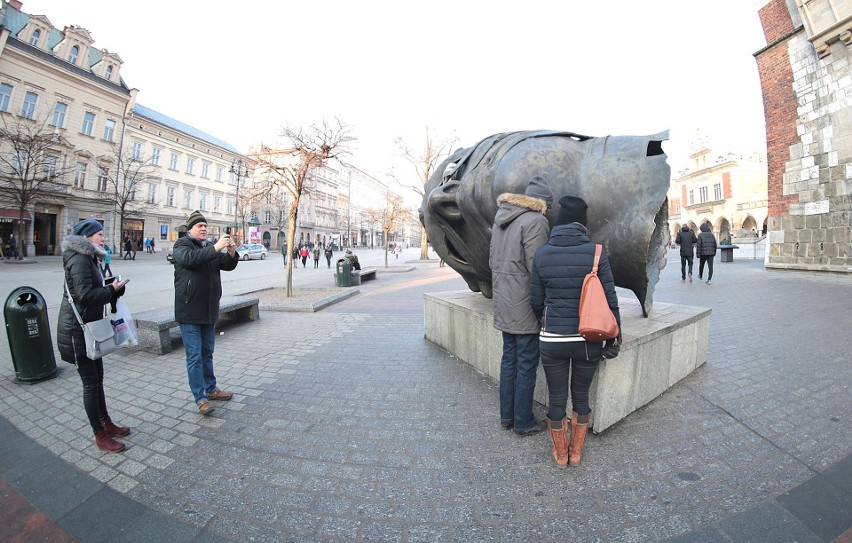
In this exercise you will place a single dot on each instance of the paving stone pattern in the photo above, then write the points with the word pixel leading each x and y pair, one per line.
pixel 347 425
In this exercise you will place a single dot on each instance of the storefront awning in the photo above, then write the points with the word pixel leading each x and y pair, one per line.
pixel 7 214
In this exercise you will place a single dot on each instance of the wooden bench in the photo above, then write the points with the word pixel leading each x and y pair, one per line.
pixel 364 274
pixel 154 327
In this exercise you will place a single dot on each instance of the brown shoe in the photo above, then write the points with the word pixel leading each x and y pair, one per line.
pixel 219 394
pixel 205 408
pixel 104 441
pixel 560 442
pixel 113 429
pixel 578 439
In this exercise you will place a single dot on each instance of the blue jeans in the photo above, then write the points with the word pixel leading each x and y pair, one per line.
pixel 517 379
pixel 564 362
pixel 198 342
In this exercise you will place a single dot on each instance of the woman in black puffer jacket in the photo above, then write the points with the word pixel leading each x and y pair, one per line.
pixel 80 254
pixel 559 268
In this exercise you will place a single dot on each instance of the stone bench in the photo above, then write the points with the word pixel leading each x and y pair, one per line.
pixel 364 274
pixel 154 327
pixel 658 351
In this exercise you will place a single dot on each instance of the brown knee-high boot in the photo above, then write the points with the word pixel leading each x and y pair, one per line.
pixel 578 438
pixel 560 442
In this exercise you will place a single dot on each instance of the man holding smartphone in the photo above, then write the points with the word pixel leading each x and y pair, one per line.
pixel 198 289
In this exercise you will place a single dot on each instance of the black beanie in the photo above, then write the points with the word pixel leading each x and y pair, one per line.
pixel 194 219
pixel 87 228
pixel 572 209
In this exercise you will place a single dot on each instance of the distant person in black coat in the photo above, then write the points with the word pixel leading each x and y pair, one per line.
pixel 687 240
pixel 706 251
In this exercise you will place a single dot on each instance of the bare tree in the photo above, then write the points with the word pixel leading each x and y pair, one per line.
pixel 31 166
pixel 124 183
pixel 424 163
pixel 394 213
pixel 290 166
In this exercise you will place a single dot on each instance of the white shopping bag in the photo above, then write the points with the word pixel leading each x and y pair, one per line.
pixel 123 324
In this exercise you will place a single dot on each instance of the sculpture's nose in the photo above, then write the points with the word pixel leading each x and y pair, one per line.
pixel 442 202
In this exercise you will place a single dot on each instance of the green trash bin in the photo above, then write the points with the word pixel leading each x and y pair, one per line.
pixel 28 331
pixel 344 273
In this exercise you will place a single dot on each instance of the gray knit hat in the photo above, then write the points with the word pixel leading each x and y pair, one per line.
pixel 538 188
pixel 87 228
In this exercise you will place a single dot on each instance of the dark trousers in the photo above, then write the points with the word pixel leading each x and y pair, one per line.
pixel 92 374
pixel 709 260
pixel 564 364
pixel 517 379
pixel 684 260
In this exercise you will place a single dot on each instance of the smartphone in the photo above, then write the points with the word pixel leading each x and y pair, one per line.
pixel 122 283
pixel 227 230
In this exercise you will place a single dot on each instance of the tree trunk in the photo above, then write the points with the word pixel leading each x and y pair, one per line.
pixel 424 244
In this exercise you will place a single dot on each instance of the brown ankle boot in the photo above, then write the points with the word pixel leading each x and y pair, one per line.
pixel 114 429
pixel 560 442
pixel 104 441
pixel 578 438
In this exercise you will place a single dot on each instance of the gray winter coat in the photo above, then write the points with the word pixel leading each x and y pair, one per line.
pixel 519 230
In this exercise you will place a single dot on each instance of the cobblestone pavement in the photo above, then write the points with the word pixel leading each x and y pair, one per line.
pixel 347 425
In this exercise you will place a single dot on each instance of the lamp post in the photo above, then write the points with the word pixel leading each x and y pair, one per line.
pixel 239 170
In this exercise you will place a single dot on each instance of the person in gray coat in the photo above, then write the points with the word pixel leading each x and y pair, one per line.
pixel 520 228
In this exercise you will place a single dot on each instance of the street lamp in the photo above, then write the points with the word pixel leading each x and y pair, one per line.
pixel 239 170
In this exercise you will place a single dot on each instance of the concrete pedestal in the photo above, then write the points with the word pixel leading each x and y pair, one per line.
pixel 658 351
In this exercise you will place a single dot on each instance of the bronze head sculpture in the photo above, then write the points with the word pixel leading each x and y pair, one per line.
pixel 624 180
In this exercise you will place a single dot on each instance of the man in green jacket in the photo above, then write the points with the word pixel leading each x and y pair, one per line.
pixel 198 289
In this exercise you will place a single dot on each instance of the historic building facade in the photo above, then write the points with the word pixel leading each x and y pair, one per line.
pixel 805 77
pixel 726 190
pixel 55 81
pixel 58 82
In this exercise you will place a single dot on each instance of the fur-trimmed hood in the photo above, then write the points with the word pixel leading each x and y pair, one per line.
pixel 514 205
pixel 82 245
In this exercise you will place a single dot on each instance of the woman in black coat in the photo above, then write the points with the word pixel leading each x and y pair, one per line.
pixel 559 268
pixel 80 254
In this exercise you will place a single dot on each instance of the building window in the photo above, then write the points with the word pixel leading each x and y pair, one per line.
pixel 702 194
pixel 717 191
pixel 267 217
pixel 80 175
pixel 219 172
pixel 35 37
pixel 152 193
pixel 59 111
pixel 217 203
pixel 132 195
pixel 155 156
pixel 170 196
pixel 173 161
pixel 281 217
pixel 5 96
pixel 190 165
pixel 187 199
pixel 50 166
pixel 205 170
pixel 136 150
pixel 202 202
pixel 269 198
pixel 29 105
pixel 103 177
pixel 109 129
pixel 88 123
pixel 19 161
pixel 230 206
pixel 108 73
pixel 72 57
